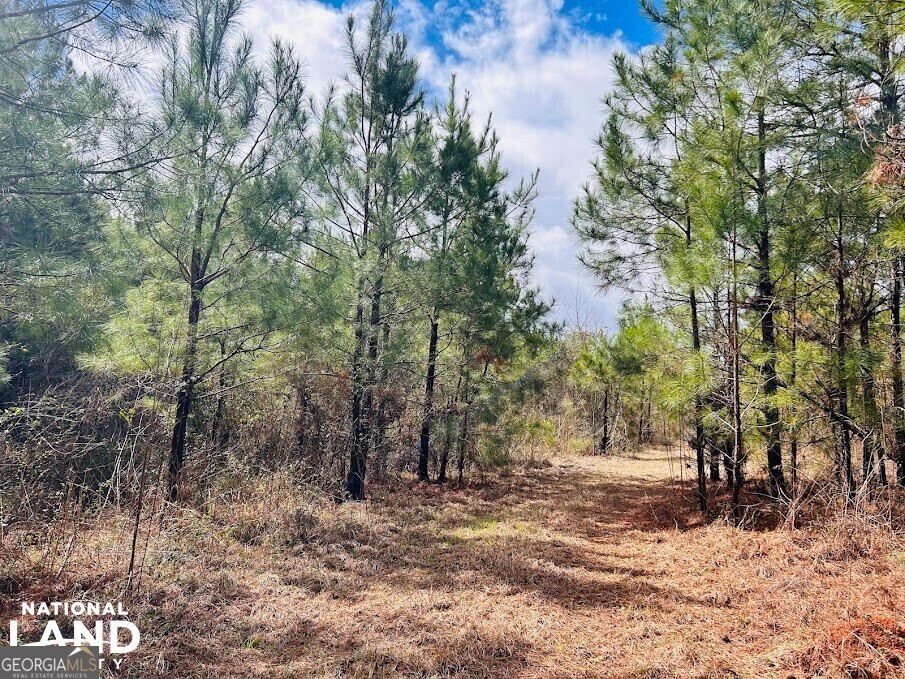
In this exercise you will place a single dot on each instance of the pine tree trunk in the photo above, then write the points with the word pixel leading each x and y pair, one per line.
pixel 605 434
pixel 728 450
pixel 716 438
pixel 463 427
pixel 765 302
pixel 889 100
pixel 844 462
pixel 359 452
pixel 301 436
pixel 186 390
pixel 639 437
pixel 737 444
pixel 714 464
pixel 184 398
pixel 898 392
pixel 698 407
pixel 363 410
pixel 444 456
pixel 463 443
pixel 428 409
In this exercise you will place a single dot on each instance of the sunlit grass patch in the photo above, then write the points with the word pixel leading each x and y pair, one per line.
pixel 480 527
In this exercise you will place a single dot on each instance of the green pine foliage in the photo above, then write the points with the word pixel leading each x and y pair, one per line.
pixel 248 274
pixel 342 284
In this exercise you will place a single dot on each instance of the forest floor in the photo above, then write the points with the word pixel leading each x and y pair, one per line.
pixel 589 567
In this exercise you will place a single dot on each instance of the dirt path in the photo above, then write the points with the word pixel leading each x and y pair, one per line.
pixel 589 568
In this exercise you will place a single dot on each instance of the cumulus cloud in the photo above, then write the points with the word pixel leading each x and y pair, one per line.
pixel 543 77
pixel 316 30
pixel 526 61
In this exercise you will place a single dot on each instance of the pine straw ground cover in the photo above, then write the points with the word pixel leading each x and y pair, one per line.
pixel 590 567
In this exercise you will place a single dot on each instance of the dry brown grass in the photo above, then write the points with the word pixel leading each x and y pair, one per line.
pixel 592 567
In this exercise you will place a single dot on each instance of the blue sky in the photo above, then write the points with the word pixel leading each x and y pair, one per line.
pixel 605 17
pixel 610 16
pixel 541 67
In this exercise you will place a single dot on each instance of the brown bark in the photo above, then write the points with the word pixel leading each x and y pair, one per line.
pixel 698 407
pixel 898 392
pixel 605 433
pixel 428 408
pixel 185 393
pixel 844 461
pixel 764 306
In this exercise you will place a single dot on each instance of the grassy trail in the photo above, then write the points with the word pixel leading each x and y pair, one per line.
pixel 591 567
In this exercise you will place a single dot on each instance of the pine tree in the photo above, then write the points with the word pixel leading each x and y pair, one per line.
pixel 468 180
pixel 229 196
pixel 375 165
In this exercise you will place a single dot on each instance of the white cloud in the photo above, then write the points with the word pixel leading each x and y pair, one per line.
pixel 316 30
pixel 543 79
pixel 541 75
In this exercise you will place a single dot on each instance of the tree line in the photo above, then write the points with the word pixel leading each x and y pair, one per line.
pixel 748 181
pixel 212 267
pixel 212 271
